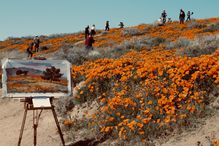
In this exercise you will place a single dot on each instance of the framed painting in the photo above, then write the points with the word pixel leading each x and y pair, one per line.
pixel 36 78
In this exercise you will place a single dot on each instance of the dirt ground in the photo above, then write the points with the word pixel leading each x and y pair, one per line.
pixel 202 135
pixel 11 114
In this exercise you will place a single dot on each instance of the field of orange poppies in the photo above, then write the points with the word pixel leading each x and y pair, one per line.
pixel 162 83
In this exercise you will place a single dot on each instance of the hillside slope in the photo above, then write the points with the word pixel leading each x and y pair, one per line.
pixel 145 84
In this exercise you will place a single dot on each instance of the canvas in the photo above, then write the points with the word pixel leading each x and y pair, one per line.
pixel 33 78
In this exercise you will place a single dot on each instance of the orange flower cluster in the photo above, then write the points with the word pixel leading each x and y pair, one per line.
pixel 216 142
pixel 68 123
pixel 145 91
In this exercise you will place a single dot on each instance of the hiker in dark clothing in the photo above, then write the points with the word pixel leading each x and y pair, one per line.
pixel 36 44
pixel 30 50
pixel 89 42
pixel 87 32
pixel 107 26
pixel 121 25
pixel 164 16
pixel 189 16
pixel 182 17
pixel 93 30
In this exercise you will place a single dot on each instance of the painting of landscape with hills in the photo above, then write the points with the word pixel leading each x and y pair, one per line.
pixel 37 78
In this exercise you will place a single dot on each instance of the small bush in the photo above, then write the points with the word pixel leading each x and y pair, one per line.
pixel 63 105
pixel 195 24
pixel 93 55
pixel 148 42
pixel 156 41
pixel 200 46
pixel 131 32
pixel 139 44
pixel 211 27
pixel 196 51
pixel 77 55
pixel 12 53
pixel 180 43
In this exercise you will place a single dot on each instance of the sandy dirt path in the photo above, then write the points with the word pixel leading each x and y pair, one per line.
pixel 11 114
pixel 209 129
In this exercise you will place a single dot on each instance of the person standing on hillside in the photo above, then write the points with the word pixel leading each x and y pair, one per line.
pixel 107 26
pixel 182 16
pixel 30 50
pixel 189 16
pixel 164 16
pixel 87 32
pixel 121 24
pixel 93 30
pixel 36 44
pixel 89 42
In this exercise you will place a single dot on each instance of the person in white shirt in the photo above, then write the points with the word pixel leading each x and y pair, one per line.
pixel 93 30
pixel 160 22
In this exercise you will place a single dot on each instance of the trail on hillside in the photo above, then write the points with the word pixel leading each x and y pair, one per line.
pixel 48 55
pixel 191 138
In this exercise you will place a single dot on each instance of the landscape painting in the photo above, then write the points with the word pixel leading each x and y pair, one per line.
pixel 33 78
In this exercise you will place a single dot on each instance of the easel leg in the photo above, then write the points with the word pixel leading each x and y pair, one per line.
pixel 35 124
pixel 22 126
pixel 58 126
pixel 35 135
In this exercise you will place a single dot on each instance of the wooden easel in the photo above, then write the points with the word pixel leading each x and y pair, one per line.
pixel 28 105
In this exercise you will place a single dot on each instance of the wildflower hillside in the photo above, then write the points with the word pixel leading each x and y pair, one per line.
pixel 162 83
pixel 141 83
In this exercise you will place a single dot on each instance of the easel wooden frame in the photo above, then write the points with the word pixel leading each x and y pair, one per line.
pixel 28 105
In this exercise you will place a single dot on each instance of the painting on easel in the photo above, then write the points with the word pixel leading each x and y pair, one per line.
pixel 34 78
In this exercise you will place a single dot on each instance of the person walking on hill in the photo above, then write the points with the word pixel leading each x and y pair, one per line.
pixel 189 16
pixel 87 32
pixel 36 44
pixel 30 50
pixel 93 30
pixel 164 16
pixel 181 16
pixel 107 26
pixel 121 24
pixel 89 42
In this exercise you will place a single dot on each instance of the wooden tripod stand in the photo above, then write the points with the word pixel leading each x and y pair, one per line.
pixel 28 105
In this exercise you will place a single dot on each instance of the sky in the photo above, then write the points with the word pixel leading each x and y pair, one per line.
pixel 20 18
